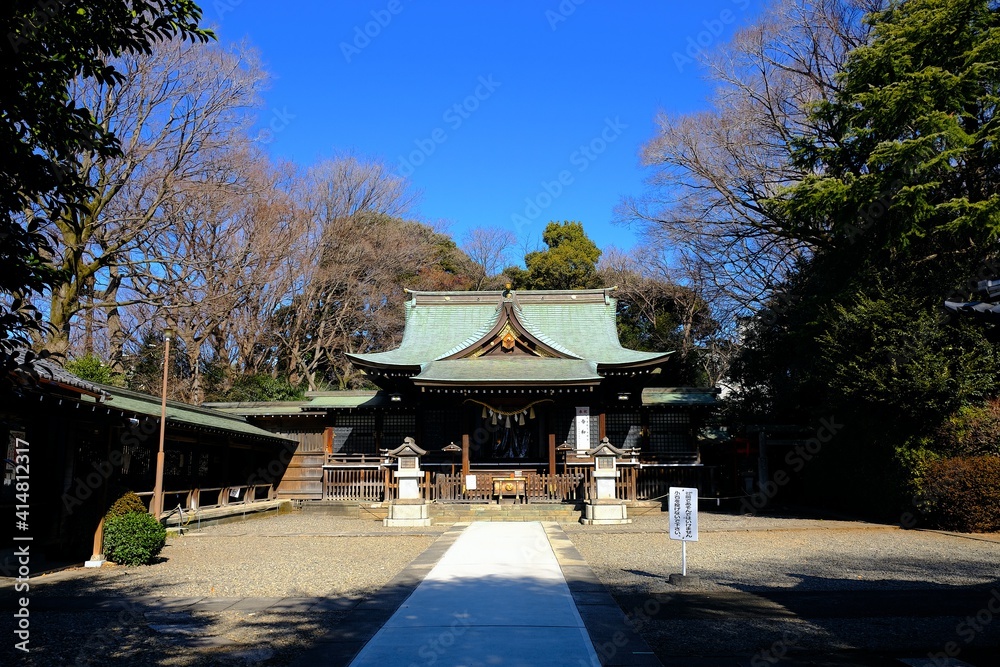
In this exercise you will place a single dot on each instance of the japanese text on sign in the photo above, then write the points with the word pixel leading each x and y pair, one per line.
pixel 683 513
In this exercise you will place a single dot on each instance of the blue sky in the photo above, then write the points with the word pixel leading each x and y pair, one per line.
pixel 502 114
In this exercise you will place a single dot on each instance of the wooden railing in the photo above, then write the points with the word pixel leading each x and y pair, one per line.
pixel 355 483
pixel 451 488
pixel 338 459
pixel 540 488
pixel 218 496
pixel 544 488
pixel 371 483
pixel 653 481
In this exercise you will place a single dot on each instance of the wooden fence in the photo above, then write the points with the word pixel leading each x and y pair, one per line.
pixel 647 482
pixel 539 488
pixel 652 482
pixel 355 483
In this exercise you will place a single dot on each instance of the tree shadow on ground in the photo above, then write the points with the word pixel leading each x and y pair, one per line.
pixel 821 617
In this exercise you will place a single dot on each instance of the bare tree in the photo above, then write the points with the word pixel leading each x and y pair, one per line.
pixel 178 112
pixel 714 170
pixel 355 253
pixel 224 250
pixel 489 249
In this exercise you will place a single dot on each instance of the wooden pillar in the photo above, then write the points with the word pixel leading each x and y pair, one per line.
pixel 98 549
pixel 601 428
pixel 328 435
pixel 552 451
pixel 465 455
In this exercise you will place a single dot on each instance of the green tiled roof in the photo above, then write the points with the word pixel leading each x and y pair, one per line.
pixel 316 401
pixel 182 414
pixel 527 369
pixel 577 323
pixel 347 399
pixel 679 396
pixel 434 331
pixel 273 409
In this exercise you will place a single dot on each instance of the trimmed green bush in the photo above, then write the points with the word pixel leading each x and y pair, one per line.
pixel 963 494
pixel 134 538
pixel 973 430
pixel 128 503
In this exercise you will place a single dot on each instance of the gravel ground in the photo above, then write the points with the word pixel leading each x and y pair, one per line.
pixel 761 554
pixel 785 553
pixel 291 555
pixel 316 556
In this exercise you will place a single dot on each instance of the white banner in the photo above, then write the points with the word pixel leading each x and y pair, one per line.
pixel 582 429
pixel 683 513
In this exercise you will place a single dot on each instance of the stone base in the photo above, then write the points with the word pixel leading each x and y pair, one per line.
pixel 685 581
pixel 605 513
pixel 97 560
pixel 407 515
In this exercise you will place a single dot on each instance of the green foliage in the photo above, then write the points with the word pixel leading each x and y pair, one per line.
pixel 90 367
pixel 570 262
pixel 904 161
pixel 134 538
pixel 963 494
pixel 261 387
pixel 902 210
pixel 907 362
pixel 973 430
pixel 44 135
pixel 127 504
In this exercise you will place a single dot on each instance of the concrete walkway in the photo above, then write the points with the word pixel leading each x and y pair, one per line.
pixel 496 597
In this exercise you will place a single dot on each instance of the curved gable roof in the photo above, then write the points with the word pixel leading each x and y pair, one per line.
pixel 577 324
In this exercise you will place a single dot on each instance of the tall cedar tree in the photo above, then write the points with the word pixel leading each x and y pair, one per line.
pixel 903 210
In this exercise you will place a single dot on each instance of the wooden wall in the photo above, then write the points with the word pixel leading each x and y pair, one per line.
pixel 303 479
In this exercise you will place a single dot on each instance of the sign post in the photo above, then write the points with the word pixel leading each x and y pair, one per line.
pixel 683 514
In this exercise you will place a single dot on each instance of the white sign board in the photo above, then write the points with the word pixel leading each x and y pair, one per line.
pixel 582 428
pixel 683 513
pixel 470 482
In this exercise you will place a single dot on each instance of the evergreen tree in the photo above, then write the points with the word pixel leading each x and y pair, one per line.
pixel 570 262
pixel 901 211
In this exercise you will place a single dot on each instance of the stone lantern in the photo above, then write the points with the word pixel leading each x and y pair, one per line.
pixel 410 508
pixel 606 508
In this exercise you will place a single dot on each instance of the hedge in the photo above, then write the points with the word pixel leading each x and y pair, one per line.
pixel 963 494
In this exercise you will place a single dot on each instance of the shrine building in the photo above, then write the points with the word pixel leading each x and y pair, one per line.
pixel 497 383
